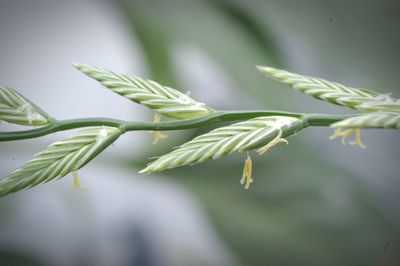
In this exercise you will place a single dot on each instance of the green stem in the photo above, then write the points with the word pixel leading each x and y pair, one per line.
pixel 213 118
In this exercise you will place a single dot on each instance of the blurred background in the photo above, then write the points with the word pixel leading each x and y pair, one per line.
pixel 314 202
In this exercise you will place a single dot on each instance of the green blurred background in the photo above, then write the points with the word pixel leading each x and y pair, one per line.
pixel 314 202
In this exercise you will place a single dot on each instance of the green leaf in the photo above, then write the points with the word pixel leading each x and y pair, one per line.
pixel 60 158
pixel 333 92
pixel 16 109
pixel 372 120
pixel 238 137
pixel 165 100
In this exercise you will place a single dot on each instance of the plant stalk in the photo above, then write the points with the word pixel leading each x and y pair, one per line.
pixel 213 118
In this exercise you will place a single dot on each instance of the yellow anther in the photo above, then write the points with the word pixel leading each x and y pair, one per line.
pixel 247 169
pixel 248 165
pixel 344 134
pixel 157 134
pixel 336 134
pixel 76 183
pixel 157 118
pixel 357 141
pixel 269 145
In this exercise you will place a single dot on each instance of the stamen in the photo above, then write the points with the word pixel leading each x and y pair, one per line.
pixel 357 141
pixel 336 134
pixel 157 118
pixel 247 170
pixel 346 133
pixel 76 183
pixel 157 134
pixel 269 145
pixel 248 166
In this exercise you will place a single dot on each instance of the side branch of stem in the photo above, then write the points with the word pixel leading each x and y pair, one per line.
pixel 213 118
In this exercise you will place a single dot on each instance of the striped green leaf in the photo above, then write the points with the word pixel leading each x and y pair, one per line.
pixel 333 92
pixel 238 137
pixel 165 100
pixel 372 120
pixel 60 158
pixel 16 109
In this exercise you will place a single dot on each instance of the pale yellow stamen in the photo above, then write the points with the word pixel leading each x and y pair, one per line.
pixel 247 170
pixel 76 183
pixel 157 118
pixel 336 134
pixel 344 134
pixel 357 141
pixel 157 134
pixel 248 166
pixel 269 145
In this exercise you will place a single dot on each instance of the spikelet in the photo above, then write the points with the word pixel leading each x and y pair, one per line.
pixel 16 109
pixel 60 158
pixel 238 137
pixel 164 100
pixel 371 120
pixel 333 92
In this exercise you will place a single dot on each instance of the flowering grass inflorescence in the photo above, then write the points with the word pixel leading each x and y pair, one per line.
pixel 251 130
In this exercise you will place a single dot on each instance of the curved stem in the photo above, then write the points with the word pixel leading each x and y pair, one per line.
pixel 213 118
